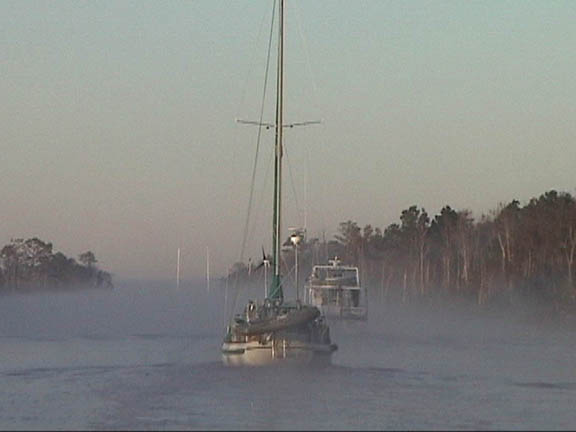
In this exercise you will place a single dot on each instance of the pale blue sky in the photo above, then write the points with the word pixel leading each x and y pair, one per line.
pixel 118 133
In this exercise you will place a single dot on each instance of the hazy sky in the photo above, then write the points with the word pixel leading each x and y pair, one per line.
pixel 118 132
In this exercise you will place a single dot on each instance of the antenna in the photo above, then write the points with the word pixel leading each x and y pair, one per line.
pixel 226 293
pixel 178 270
pixel 266 264
pixel 296 238
pixel 207 269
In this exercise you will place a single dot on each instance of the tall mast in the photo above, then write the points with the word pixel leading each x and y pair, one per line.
pixel 276 291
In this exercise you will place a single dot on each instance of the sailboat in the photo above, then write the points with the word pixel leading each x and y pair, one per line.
pixel 276 330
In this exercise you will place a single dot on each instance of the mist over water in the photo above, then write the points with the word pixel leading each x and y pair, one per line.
pixel 147 356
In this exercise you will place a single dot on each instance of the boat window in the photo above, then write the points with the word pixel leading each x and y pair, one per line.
pixel 347 277
pixel 342 276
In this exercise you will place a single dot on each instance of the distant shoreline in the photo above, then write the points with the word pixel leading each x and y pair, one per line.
pixel 32 265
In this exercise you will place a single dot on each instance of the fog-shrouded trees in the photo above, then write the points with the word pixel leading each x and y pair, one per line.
pixel 514 249
pixel 32 264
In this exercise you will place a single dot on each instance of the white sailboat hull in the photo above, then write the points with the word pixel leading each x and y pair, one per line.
pixel 254 353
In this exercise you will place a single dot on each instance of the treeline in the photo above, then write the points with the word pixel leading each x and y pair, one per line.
pixel 514 250
pixel 30 265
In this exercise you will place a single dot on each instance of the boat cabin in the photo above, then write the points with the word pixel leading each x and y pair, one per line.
pixel 336 290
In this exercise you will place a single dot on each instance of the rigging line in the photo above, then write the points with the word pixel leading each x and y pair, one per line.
pixel 245 86
pixel 258 140
pixel 292 179
pixel 255 164
pixel 306 181
pixel 307 54
pixel 314 100
pixel 289 276
pixel 321 185
pixel 263 191
pixel 261 199
pixel 251 67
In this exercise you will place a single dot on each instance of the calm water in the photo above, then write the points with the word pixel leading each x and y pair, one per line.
pixel 147 357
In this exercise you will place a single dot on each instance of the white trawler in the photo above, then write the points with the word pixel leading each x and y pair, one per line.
pixel 336 290
pixel 273 330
